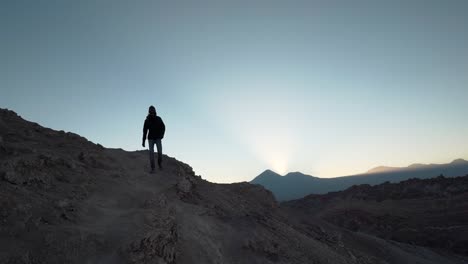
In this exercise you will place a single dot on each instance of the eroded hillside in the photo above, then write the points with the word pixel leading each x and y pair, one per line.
pixel 64 199
pixel 430 212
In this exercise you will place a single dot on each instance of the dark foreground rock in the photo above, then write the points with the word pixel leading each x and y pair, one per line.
pixel 64 199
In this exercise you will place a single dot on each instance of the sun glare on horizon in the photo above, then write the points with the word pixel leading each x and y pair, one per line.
pixel 280 167
pixel 262 122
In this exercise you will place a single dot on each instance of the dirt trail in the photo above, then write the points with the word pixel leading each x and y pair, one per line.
pixel 117 212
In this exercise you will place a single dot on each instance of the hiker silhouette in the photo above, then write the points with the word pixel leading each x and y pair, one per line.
pixel 154 128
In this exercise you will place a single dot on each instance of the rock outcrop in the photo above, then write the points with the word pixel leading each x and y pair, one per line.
pixel 64 199
pixel 431 212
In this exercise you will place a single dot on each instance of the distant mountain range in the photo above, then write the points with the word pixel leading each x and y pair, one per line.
pixel 295 185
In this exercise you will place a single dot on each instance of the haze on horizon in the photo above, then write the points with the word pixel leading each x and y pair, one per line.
pixel 328 88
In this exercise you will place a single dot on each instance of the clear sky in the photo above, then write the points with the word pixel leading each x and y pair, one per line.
pixel 328 88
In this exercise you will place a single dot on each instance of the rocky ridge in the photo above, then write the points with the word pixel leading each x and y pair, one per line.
pixel 64 199
pixel 430 212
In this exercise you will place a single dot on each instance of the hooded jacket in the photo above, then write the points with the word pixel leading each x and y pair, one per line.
pixel 155 126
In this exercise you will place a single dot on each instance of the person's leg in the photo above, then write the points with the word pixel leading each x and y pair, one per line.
pixel 160 153
pixel 151 152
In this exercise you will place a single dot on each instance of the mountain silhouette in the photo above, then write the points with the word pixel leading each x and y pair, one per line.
pixel 296 185
pixel 64 199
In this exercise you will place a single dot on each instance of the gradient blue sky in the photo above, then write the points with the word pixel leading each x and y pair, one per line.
pixel 328 88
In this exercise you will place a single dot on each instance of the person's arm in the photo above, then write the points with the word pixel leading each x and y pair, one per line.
pixel 163 128
pixel 145 132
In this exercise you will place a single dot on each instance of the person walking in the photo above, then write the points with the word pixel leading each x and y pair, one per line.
pixel 154 128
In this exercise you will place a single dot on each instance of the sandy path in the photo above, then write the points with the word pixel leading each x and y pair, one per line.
pixel 119 210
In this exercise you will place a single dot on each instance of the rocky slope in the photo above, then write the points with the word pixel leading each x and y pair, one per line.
pixel 431 212
pixel 64 199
